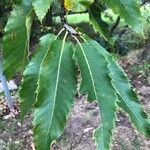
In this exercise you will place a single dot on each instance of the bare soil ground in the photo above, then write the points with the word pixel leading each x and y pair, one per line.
pixel 84 119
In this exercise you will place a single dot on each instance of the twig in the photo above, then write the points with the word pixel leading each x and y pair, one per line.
pixel 63 13
pixel 114 26
pixel 71 30
pixel 71 13
pixel 144 2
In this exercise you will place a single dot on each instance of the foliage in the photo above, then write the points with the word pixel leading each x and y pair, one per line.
pixel 49 82
pixel 5 8
pixel 18 25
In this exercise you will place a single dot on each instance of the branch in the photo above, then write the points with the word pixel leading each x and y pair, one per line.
pixel 63 13
pixel 114 26
pixel 144 2
pixel 70 13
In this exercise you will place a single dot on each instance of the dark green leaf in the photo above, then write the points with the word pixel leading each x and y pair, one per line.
pixel 55 94
pixel 98 24
pixel 128 10
pixel 29 84
pixel 41 7
pixel 97 83
pixel 16 38
pixel 129 100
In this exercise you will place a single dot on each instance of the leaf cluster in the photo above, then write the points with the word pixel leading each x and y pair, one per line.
pixel 49 80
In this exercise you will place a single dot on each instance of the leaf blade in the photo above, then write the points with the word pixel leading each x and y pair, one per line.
pixel 29 83
pixel 128 10
pixel 55 94
pixel 16 39
pixel 98 24
pixel 41 7
pixel 128 99
pixel 92 80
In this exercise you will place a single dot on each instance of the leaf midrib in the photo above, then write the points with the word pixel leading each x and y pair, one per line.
pixel 93 83
pixel 128 105
pixel 125 8
pixel 56 88
pixel 89 68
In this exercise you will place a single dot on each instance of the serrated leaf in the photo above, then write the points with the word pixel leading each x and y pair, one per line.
pixel 97 83
pixel 129 100
pixel 41 7
pixel 129 10
pixel 29 84
pixel 55 94
pixel 98 24
pixel 16 38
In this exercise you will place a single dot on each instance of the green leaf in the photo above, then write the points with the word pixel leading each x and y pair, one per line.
pixel 16 38
pixel 29 84
pixel 129 100
pixel 98 24
pixel 129 10
pixel 41 7
pixel 55 94
pixel 97 83
pixel 80 5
